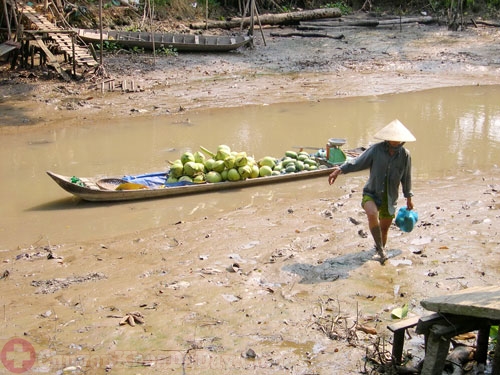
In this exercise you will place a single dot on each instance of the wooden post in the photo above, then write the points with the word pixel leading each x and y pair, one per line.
pixel 7 19
pixel 496 360
pixel 437 350
pixel 243 15
pixel 206 14
pixel 260 25
pixel 73 50
pixel 252 10
pixel 398 341
pixel 397 346
pixel 151 15
pixel 483 336
pixel 32 49
pixel 100 31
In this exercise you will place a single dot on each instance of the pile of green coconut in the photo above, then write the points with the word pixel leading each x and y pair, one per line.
pixel 227 165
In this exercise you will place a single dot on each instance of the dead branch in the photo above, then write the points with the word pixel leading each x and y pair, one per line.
pixel 308 35
pixel 486 23
pixel 367 23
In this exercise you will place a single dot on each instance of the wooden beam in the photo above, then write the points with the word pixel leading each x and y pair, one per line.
pixel 51 59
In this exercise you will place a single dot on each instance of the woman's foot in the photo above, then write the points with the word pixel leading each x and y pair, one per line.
pixel 382 255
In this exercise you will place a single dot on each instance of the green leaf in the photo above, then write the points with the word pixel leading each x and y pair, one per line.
pixel 494 333
pixel 400 312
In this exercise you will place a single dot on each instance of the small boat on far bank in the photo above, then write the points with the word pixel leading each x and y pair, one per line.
pixel 178 42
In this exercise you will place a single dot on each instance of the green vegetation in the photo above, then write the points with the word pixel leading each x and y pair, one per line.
pixel 108 46
pixel 342 6
pixel 113 47
pixel 494 333
pixel 167 51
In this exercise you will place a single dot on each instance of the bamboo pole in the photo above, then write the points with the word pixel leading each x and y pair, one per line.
pixel 151 15
pixel 206 14
pixel 260 25
pixel 100 32
pixel 252 15
pixel 7 19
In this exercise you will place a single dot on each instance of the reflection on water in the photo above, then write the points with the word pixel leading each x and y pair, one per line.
pixel 457 129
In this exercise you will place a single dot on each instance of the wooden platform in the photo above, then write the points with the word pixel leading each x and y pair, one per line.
pixel 8 46
pixel 63 40
pixel 479 302
pixel 473 309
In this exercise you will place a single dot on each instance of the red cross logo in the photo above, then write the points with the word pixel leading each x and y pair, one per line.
pixel 18 355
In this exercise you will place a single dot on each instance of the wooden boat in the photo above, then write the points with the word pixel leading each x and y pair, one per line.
pixel 105 189
pixel 178 42
pixel 154 185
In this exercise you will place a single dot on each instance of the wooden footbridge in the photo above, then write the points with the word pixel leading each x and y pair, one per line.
pixel 64 40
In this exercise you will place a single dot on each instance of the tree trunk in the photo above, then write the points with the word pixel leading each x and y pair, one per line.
pixel 271 19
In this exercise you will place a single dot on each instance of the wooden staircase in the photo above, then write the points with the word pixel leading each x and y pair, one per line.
pixel 61 37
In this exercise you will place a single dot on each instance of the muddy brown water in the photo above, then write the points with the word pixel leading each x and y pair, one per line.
pixel 457 129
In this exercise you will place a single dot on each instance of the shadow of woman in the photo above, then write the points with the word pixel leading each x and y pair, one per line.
pixel 335 268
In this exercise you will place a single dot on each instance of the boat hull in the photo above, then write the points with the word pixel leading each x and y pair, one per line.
pixel 93 192
pixel 178 42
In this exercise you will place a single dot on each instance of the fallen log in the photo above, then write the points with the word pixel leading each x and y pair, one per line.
pixel 270 19
pixel 397 21
pixel 341 23
pixel 319 28
pixel 368 23
pixel 308 35
pixel 486 23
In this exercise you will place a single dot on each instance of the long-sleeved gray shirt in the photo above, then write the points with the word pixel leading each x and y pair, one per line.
pixel 395 169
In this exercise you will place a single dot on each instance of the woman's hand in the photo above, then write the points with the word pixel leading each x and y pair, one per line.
pixel 409 204
pixel 334 174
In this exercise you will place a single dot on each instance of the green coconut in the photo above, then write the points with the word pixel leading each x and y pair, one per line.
pixel 199 157
pixel 171 180
pixel 255 171
pixel 209 164
pixel 241 159
pixel 245 172
pixel 219 166
pixel 251 160
pixel 229 162
pixel 265 171
pixel 223 152
pixel 190 168
pixel 200 168
pixel 186 157
pixel 267 161
pixel 185 179
pixel 176 169
pixel 233 175
pixel 199 178
pixel 213 177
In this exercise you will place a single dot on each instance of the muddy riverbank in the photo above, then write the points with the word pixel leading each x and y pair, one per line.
pixel 367 61
pixel 275 288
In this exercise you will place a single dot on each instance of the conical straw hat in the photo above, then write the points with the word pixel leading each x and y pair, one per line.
pixel 395 131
